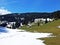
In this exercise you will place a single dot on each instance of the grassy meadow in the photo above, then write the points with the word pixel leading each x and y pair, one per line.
pixel 50 27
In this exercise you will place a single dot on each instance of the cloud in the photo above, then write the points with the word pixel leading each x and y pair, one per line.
pixel 4 11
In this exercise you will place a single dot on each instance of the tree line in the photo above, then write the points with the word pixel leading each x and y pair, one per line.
pixel 29 16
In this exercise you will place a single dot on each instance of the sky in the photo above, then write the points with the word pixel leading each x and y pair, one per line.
pixel 20 6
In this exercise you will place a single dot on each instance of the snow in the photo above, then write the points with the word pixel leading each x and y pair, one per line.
pixel 21 37
pixel 58 26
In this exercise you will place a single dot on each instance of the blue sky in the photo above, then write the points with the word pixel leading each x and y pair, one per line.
pixel 30 5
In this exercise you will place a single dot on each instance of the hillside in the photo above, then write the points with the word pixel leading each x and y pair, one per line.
pixel 51 27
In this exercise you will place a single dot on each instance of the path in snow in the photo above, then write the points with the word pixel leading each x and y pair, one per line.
pixel 19 37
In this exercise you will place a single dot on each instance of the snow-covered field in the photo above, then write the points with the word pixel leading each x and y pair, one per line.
pixel 20 37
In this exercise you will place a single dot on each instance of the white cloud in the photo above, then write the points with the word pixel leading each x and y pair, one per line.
pixel 4 11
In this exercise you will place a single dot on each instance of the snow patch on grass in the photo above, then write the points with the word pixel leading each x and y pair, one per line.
pixel 19 37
